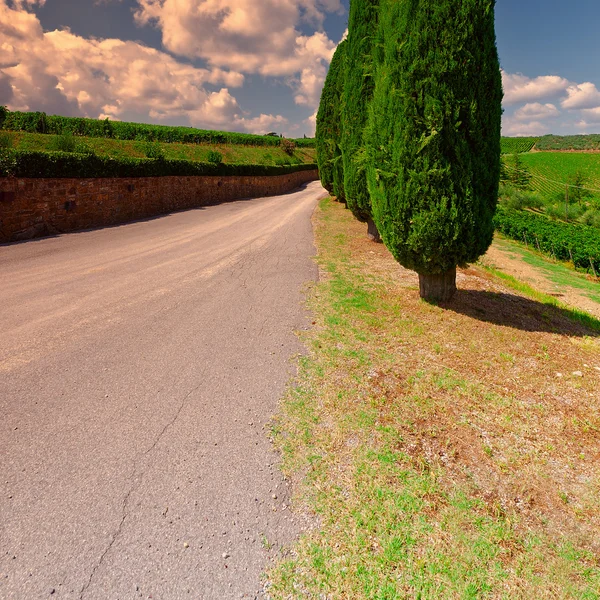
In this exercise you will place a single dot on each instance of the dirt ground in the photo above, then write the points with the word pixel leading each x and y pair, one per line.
pixel 504 260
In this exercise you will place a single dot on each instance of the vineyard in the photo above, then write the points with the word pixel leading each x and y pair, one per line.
pixel 564 241
pixel 39 122
pixel 510 145
pixel 569 142
pixel 551 172
pixel 238 154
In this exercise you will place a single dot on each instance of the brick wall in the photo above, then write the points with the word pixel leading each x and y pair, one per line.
pixel 36 207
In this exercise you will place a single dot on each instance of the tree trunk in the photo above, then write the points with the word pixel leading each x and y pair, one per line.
pixel 372 231
pixel 438 288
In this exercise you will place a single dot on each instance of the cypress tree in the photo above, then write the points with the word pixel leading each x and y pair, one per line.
pixel 329 126
pixel 357 94
pixel 434 136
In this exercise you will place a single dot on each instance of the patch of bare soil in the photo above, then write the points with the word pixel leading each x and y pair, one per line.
pixel 514 396
pixel 512 264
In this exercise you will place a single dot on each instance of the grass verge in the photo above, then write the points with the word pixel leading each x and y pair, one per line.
pixel 449 452
pixel 561 274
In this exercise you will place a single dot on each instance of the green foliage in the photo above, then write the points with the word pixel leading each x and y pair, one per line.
pixel 356 97
pixel 66 142
pixel 154 150
pixel 564 211
pixel 578 191
pixel 516 199
pixel 6 141
pixel 590 218
pixel 63 143
pixel 510 145
pixel 3 113
pixel 328 133
pixel 72 164
pixel 569 142
pixel 515 172
pixel 216 158
pixel 434 131
pixel 552 171
pixel 122 130
pixel 565 241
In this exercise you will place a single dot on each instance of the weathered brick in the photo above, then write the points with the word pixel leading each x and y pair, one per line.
pixel 38 205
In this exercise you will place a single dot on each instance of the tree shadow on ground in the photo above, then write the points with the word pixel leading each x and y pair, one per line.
pixel 510 310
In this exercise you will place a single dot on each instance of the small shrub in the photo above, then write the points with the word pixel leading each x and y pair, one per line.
pixel 8 162
pixel 288 146
pixel 517 199
pixel 3 115
pixel 591 218
pixel 570 212
pixel 63 143
pixel 6 141
pixel 83 148
pixel 216 158
pixel 154 150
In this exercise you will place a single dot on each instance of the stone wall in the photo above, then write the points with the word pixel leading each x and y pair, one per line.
pixel 36 207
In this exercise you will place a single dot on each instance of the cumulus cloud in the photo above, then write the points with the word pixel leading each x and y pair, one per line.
pixel 263 123
pixel 536 112
pixel 582 95
pixel 512 126
pixel 63 73
pixel 590 118
pixel 249 37
pixel 311 123
pixel 519 88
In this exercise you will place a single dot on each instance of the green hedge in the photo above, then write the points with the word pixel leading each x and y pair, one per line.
pixel 565 241
pixel 68 164
pixel 39 122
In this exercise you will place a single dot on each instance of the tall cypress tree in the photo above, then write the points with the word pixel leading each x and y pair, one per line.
pixel 434 136
pixel 329 127
pixel 356 97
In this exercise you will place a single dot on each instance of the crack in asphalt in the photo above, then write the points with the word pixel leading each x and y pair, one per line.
pixel 136 484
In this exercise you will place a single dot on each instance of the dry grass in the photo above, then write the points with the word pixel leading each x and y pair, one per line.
pixel 450 452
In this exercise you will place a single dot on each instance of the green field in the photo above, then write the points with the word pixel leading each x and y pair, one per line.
pixel 548 143
pixel 510 145
pixel 552 171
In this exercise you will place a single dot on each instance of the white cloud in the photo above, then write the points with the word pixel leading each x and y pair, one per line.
pixel 590 118
pixel 536 112
pixel 515 127
pixel 311 123
pixel 63 73
pixel 519 88
pixel 582 95
pixel 249 37
pixel 263 123
pixel 592 113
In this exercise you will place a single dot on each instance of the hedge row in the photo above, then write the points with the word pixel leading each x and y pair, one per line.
pixel 565 241
pixel 67 164
pixel 39 122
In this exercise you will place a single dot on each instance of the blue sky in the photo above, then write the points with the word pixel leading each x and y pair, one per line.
pixel 259 65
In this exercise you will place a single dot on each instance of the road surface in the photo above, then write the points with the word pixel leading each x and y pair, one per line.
pixel 138 367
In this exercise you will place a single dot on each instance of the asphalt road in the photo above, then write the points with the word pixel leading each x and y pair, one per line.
pixel 138 367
